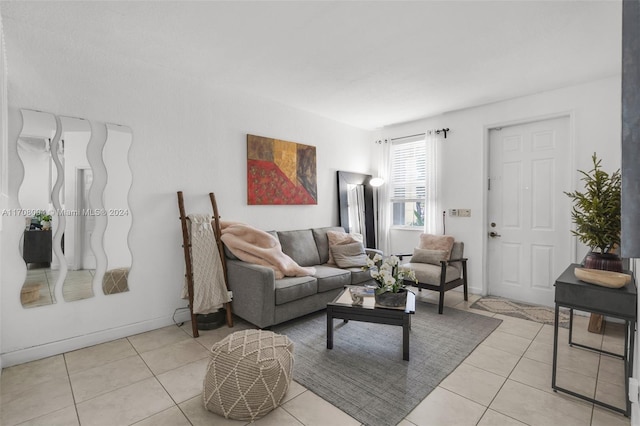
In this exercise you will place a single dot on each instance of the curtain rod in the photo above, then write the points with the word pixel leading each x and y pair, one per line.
pixel 438 131
pixel 410 136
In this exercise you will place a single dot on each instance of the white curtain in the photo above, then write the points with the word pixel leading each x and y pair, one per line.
pixel 433 214
pixel 384 197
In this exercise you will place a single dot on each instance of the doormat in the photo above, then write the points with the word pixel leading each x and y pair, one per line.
pixel 537 313
pixel 364 374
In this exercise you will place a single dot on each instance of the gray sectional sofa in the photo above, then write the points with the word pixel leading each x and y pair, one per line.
pixel 265 301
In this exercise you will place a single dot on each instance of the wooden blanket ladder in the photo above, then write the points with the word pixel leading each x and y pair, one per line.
pixel 187 257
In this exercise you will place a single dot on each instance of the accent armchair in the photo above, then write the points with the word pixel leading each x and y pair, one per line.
pixel 439 265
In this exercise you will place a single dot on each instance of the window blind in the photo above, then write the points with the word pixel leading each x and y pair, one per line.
pixel 408 171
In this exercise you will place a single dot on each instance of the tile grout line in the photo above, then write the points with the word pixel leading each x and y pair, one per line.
pixel 287 411
pixel 554 392
pixel 507 378
pixel 486 408
pixel 155 376
pixel 73 395
pixel 159 382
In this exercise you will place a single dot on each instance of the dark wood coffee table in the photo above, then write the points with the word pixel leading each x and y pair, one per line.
pixel 342 308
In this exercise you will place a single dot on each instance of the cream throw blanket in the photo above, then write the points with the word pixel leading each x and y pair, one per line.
pixel 255 246
pixel 209 288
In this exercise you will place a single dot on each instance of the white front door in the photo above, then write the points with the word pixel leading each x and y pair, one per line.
pixel 528 212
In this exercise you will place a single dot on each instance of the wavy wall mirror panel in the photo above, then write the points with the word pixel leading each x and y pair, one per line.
pixel 41 172
pixel 96 201
pixel 76 208
pixel 116 159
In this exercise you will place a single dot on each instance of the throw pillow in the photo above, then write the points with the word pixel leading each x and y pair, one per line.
pixel 351 255
pixel 429 256
pixel 437 242
pixel 338 238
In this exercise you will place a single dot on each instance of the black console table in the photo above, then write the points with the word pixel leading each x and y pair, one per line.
pixel 37 246
pixel 620 303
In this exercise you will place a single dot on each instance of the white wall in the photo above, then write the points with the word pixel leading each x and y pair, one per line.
pixel 185 137
pixel 36 188
pixel 3 159
pixel 595 109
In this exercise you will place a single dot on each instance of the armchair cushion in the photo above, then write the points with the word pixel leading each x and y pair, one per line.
pixel 430 274
pixel 437 242
pixel 349 255
pixel 432 257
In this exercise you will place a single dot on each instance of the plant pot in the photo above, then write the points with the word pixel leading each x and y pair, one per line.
pixel 603 261
pixel 392 300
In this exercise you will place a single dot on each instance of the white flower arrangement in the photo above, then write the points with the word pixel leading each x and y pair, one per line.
pixel 388 274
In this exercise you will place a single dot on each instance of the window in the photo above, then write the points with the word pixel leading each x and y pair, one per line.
pixel 408 177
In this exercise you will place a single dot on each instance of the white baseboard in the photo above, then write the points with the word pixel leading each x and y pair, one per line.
pixel 55 348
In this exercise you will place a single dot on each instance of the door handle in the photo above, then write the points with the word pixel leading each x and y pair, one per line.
pixel 493 234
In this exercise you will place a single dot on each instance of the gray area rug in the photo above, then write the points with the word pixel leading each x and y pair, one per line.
pixel 364 374
pixel 542 314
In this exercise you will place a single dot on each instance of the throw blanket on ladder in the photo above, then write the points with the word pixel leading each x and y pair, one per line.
pixel 209 288
pixel 255 246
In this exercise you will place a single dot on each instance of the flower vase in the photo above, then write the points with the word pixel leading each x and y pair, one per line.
pixel 392 300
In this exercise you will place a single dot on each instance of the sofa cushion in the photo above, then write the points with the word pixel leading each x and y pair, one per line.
pixel 349 255
pixel 300 246
pixel 430 274
pixel 429 256
pixel 338 238
pixel 330 278
pixel 322 242
pixel 437 242
pixel 289 289
pixel 360 276
pixel 228 253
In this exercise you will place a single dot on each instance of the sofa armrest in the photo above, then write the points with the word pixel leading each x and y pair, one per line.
pixel 372 252
pixel 253 288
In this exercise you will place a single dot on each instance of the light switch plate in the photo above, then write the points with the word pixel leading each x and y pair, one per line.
pixel 464 212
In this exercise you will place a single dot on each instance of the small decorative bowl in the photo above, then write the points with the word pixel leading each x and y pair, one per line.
pixel 602 278
pixel 357 295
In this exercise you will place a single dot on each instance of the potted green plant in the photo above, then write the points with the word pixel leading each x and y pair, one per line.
pixel 44 218
pixel 596 214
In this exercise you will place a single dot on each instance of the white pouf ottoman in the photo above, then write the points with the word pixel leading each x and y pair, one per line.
pixel 248 374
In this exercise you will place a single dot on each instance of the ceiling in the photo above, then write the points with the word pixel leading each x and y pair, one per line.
pixel 367 64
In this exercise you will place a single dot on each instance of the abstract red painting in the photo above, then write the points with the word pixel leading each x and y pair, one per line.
pixel 280 172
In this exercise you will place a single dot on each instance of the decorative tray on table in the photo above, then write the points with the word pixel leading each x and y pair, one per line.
pixel 603 278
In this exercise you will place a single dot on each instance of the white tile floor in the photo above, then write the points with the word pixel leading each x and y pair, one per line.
pixel 155 378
